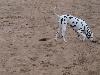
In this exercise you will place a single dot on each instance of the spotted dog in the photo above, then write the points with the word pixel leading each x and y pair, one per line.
pixel 78 25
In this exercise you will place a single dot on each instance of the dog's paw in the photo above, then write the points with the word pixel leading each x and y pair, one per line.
pixel 55 39
pixel 65 41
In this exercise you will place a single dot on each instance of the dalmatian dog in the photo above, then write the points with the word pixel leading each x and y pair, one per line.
pixel 79 26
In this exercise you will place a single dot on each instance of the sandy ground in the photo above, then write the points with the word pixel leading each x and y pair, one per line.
pixel 27 45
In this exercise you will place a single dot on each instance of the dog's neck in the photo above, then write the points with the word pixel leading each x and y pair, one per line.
pixel 69 18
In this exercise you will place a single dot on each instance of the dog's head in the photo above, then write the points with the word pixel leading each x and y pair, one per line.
pixel 90 36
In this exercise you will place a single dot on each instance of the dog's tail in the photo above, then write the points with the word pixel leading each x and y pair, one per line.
pixel 56 13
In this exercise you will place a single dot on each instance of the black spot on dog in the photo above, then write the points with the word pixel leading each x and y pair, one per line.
pixel 77 19
pixel 88 35
pixel 73 22
pixel 70 17
pixel 76 22
pixel 80 28
pixel 43 39
pixel 86 25
pixel 61 20
pixel 81 32
pixel 73 25
pixel 64 19
pixel 65 16
pixel 64 23
pixel 87 30
pixel 78 35
pixel 83 20
pixel 82 23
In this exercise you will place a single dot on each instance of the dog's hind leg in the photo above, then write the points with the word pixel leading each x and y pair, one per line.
pixel 64 32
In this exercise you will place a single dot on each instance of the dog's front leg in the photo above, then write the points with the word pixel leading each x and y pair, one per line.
pixel 64 32
pixel 59 31
pixel 58 34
